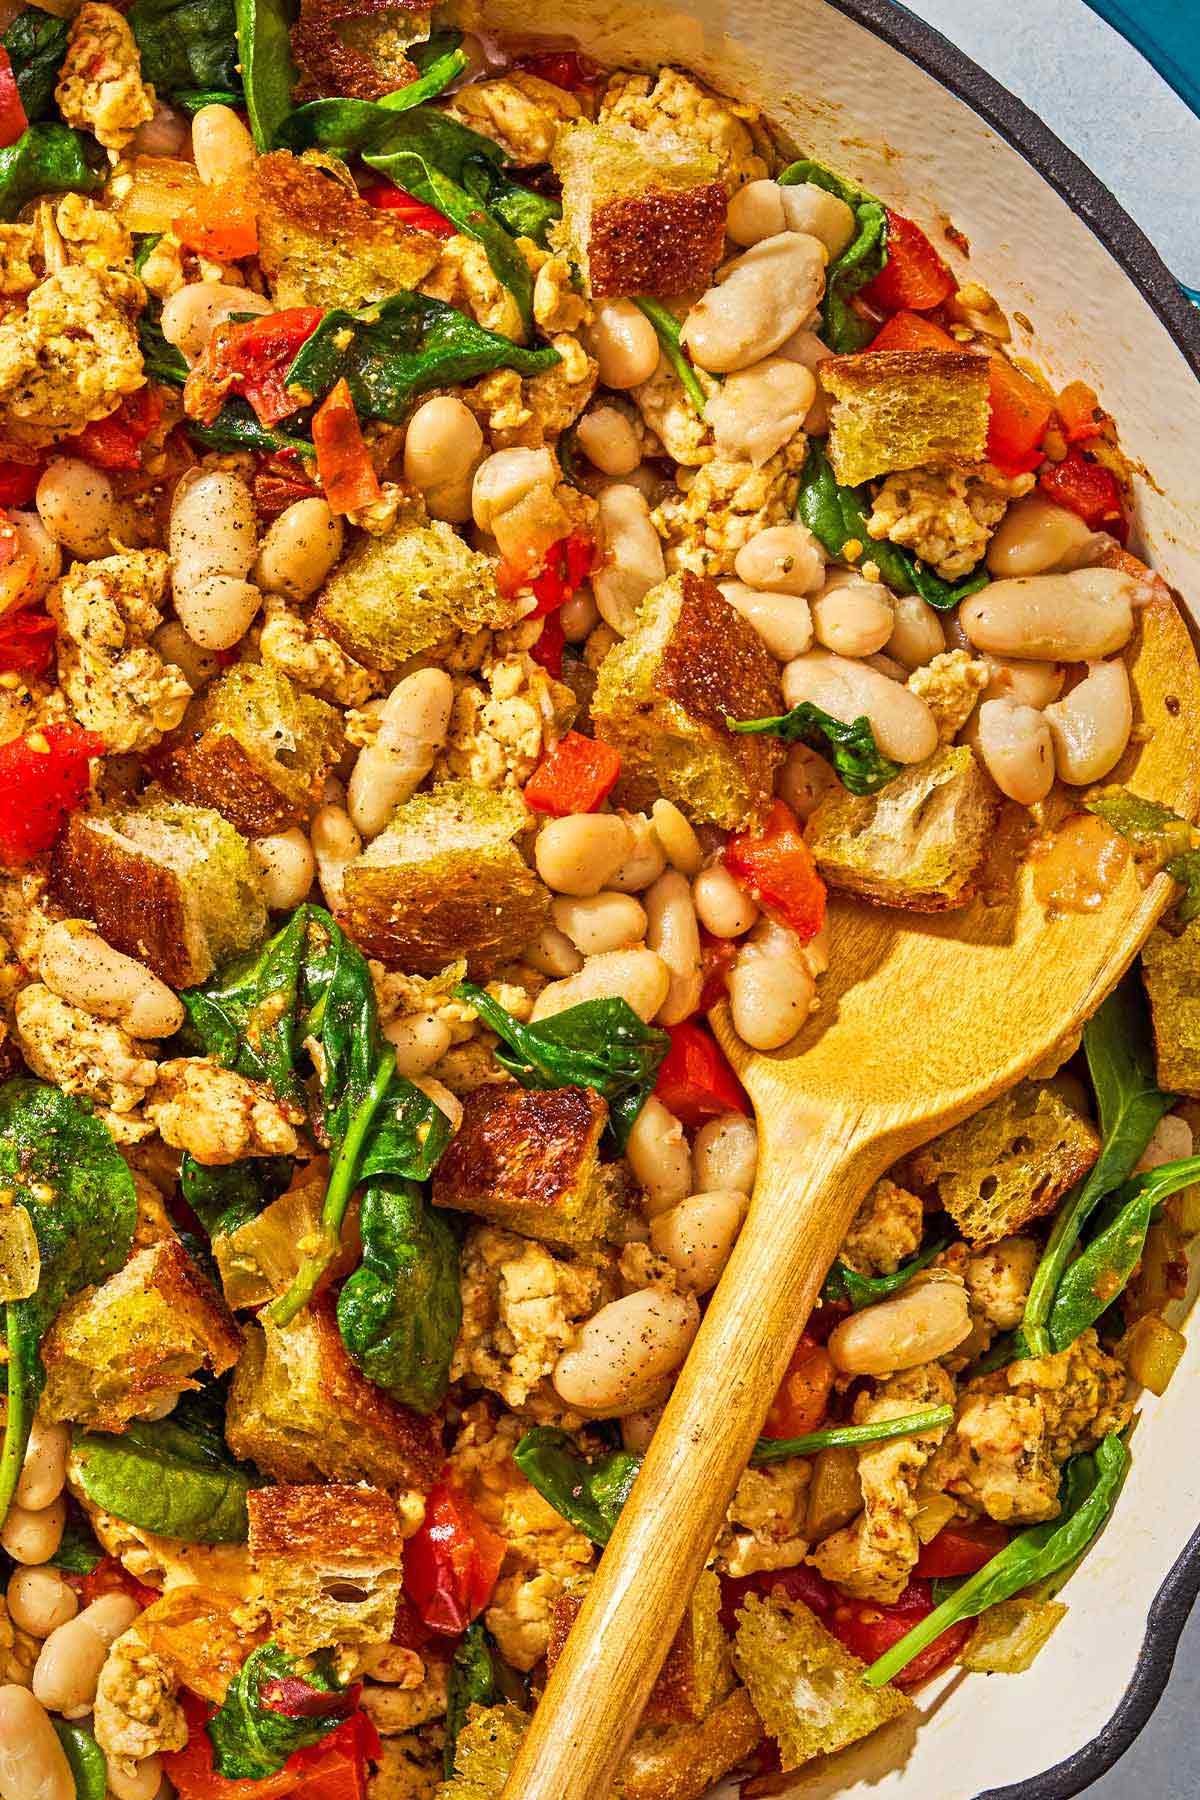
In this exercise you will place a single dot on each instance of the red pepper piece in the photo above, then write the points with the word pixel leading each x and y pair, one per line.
pixel 913 276
pixel 961 1548
pixel 802 1401
pixel 1089 489
pixel 408 209
pixel 451 1564
pixel 220 222
pixel 867 1629
pixel 695 1079
pixel 910 331
pixel 347 474
pixel 553 577
pixel 251 357
pixel 549 647
pixel 43 776
pixel 116 442
pixel 799 1583
pixel 777 866
pixel 335 1768
pixel 110 1577
pixel 1080 413
pixel 13 119
pixel 1021 414
pixel 26 643
pixel 18 482
pixel 576 776
pixel 568 69
pixel 296 1698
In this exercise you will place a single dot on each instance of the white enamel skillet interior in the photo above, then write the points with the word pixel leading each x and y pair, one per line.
pixel 875 92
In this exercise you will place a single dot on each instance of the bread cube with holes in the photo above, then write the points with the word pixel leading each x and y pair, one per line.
pixel 330 1560
pixel 901 409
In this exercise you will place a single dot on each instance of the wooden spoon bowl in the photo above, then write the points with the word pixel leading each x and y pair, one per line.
pixel 922 1021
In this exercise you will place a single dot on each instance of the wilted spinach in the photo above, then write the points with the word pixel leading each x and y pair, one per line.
pixel 274 1706
pixel 78 1551
pixel 49 159
pixel 852 749
pixel 861 260
pixel 1160 839
pixel 589 1494
pixel 36 42
pixel 668 329
pixel 846 1284
pixel 600 1044
pixel 838 516
pixel 830 1437
pixel 268 68
pixel 62 1166
pixel 165 1476
pixel 1089 1493
pixel 187 45
pixel 391 352
pixel 479 1676
pixel 228 1195
pixel 394 1309
pixel 236 428
pixel 85 1757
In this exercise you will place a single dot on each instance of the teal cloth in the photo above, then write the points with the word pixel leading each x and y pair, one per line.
pixel 1165 31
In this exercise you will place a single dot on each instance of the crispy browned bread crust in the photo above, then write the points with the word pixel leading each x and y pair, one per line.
pixel 330 65
pixel 210 768
pixel 859 374
pixel 520 1157
pixel 309 1520
pixel 134 903
pixel 664 242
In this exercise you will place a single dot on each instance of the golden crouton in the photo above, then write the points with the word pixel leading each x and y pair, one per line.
pixel 665 692
pixel 806 1688
pixel 1171 971
pixel 696 1673
pixel 1007 1165
pixel 301 1410
pixel 116 1350
pixel 320 245
pixel 173 885
pixel 1009 1637
pixel 401 593
pixel 639 218
pixel 330 1561
pixel 527 1160
pixel 445 880
pixel 254 747
pixel 900 409
pixel 918 844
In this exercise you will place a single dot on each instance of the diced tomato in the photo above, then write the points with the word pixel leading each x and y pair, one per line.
pixel 553 577
pixel 219 222
pixel 909 331
pixel 695 1079
pixel 408 209
pixel 576 776
pixel 914 275
pixel 1086 487
pixel 347 473
pixel 252 357
pixel 278 484
pixel 409 1629
pixel 777 867
pixel 13 119
pixel 43 776
pixel 961 1547
pixel 26 643
pixel 803 1396
pixel 548 649
pixel 334 1768
pixel 451 1565
pixel 296 1698
pixel 1021 414
pixel 110 1577
pixel 867 1629
pixel 799 1583
pixel 1080 413
pixel 116 442
pixel 568 69
pixel 716 960
pixel 18 482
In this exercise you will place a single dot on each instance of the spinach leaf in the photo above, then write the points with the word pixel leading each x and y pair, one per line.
pixel 845 1283
pixel 64 1169
pixel 402 347
pixel 163 1477
pixel 186 44
pixel 36 42
pixel 600 1044
pixel 773 1450
pixel 86 1758
pixel 49 159
pixel 838 516
pixel 436 72
pixel 228 1195
pixel 1160 838
pixel 268 68
pixel 272 1708
pixel 589 1495
pixel 236 428
pixel 472 1683
pixel 1090 1488
pixel 668 329
pixel 163 362
pixel 400 1311
pixel 1120 1058
pixel 861 260
pixel 191 100
pixel 78 1552
pixel 852 749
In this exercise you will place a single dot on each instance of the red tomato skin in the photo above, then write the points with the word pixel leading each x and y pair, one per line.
pixel 347 473
pixel 568 69
pixel 27 642
pixel 408 209
pixel 961 1549
pixel 334 1768
pixel 39 786
pixel 798 1583
pixel 1020 417
pixel 18 482
pixel 867 1629
pixel 13 118
pixel 908 330
pixel 576 776
pixel 802 1400
pixel 914 276
pixel 452 1563
pixel 695 1079
pixel 777 867
pixel 1088 489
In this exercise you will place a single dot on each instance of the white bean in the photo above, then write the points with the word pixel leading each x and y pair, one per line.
pixel 130 1780
pixel 1078 617
pixel 552 953
pixel 782 621
pixel 1090 726
pixel 1015 746
pixel 299 549
pixel 646 860
pixel 696 1236
pixel 442 449
pixel 638 976
pixel 624 344
pixel 757 410
pixel 27 578
pixel 221 145
pixel 807 348
pixel 33 1537
pixel 1024 683
pixel 756 212
pixel 79 966
pixel 335 843
pixel 725 1154
pixel 579 616
pixel 175 646
pixel 783 559
pixel 657 1153
pixel 505 478
pixel 622 1353
pixel 1171 1140
pixel 1035 537
pixel 69 1662
pixel 917 633
pixel 213 540
pixel 634 563
pixel 599 922
pixel 192 313
pixel 925 1321
pixel 413 725
pixel 674 832
pixel 577 854
pixel 33 1764
pixel 767 294
pixel 40 1600
pixel 77 506
pixel 771 989
pixel 722 904
pixel 807 207
pixel 673 933
pixel 852 618
pixel 804 780
pixel 420 1040
pixel 288 867
pixel 903 725
pixel 609 441
pixel 44 1470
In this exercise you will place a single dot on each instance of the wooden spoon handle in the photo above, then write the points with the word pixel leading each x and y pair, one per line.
pixel 807 1192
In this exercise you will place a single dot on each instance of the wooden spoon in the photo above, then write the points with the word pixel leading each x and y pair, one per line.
pixel 923 1019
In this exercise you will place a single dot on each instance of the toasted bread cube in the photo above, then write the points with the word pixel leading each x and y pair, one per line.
pixel 696 1674
pixel 444 881
pixel 117 1350
pixel 528 1160
pixel 1171 971
pixel 900 409
pixel 1009 1637
pixel 663 697
pixel 330 1560
pixel 806 1688
pixel 640 216
pixel 918 844
pixel 171 884
pixel 1009 1164
pixel 301 1410
pixel 401 593
pixel 256 748
pixel 320 245
pixel 486 1751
